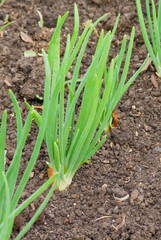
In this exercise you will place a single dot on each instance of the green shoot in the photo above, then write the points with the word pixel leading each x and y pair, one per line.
pixel 154 47
pixel 6 18
pixel 2 2
pixel 40 22
pixel 38 97
pixel 5 25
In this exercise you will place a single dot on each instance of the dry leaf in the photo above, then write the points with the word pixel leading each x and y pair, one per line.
pixel 26 38
pixel 50 173
pixel 147 65
pixel 154 82
pixel 115 118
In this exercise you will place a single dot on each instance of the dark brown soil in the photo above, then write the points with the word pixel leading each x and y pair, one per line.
pixel 130 160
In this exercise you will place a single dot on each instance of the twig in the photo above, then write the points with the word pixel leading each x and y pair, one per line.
pixel 147 65
pixel 38 107
pixel 121 224
pixel 100 218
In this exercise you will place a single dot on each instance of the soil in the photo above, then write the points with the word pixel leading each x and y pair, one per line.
pixel 128 164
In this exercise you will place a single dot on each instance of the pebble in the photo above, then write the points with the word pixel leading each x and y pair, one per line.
pixel 116 210
pixel 119 192
pixel 136 134
pixel 18 221
pixel 5 51
pixel 78 213
pixel 157 149
pixel 10 154
pixel 104 185
pixel 156 93
pixel 41 176
pixel 32 206
pixel 152 228
pixel 147 128
pixel 102 190
pixel 134 194
pixel 101 210
pixel 31 175
pixel 24 195
pixel 51 215
pixel 69 75
pixel 140 198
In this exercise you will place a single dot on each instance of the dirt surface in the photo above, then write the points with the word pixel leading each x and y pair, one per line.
pixel 128 164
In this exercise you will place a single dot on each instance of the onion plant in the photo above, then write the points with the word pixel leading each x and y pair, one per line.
pixel 154 22
pixel 9 193
pixel 71 143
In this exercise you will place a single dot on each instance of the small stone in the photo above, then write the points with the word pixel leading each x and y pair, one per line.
pixel 140 198
pixel 7 83
pixel 101 210
pixel 51 215
pixel 106 161
pixel 130 165
pixel 134 194
pixel 111 144
pixel 32 174
pixel 5 51
pixel 116 43
pixel 152 228
pixel 137 219
pixel 24 195
pixel 32 206
pixel 113 161
pixel 91 15
pixel 136 134
pixel 10 154
pixel 78 213
pixel 116 210
pixel 147 128
pixel 41 176
pixel 119 192
pixel 157 149
pixel 17 222
pixel 102 190
pixel 40 218
pixel 69 75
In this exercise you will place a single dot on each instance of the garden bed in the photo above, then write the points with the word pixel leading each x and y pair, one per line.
pixel 128 164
